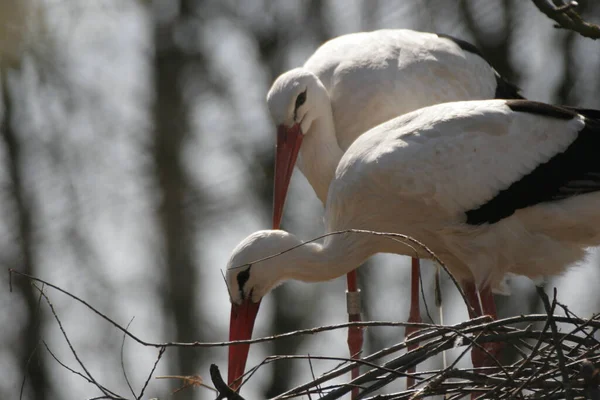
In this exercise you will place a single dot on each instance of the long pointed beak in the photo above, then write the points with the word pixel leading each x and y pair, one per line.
pixel 240 328
pixel 288 146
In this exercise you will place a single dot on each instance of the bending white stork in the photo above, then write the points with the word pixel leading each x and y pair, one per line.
pixel 492 187
pixel 355 82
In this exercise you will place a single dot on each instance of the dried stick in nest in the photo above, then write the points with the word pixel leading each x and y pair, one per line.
pixel 225 392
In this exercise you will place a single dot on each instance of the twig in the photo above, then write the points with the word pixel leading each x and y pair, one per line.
pixel 442 376
pixel 500 323
pixel 351 362
pixel 225 392
pixel 423 293
pixel 160 354
pixel 566 16
pixel 397 237
pixel 194 381
pixel 528 359
pixel 123 361
pixel 559 353
pixel 312 373
pixel 116 397
pixel 37 311
pixel 406 360
pixel 382 353
pixel 591 377
pixel 227 343
pixel 105 391
pixel 25 372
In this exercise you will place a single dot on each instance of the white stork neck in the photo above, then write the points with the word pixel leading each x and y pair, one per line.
pixel 338 255
pixel 320 152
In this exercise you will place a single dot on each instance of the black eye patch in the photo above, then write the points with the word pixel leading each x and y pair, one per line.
pixel 300 99
pixel 242 278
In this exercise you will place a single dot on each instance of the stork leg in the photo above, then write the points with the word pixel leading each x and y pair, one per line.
pixel 489 308
pixel 355 334
pixel 477 355
pixel 415 312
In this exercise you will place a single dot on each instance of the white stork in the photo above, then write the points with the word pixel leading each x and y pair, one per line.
pixel 492 187
pixel 355 82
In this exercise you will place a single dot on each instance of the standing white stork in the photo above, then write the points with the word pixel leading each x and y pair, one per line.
pixel 356 82
pixel 491 187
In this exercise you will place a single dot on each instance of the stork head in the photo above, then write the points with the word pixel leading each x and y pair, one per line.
pixel 248 280
pixel 295 101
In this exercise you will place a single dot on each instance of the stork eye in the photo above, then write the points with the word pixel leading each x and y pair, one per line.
pixel 300 99
pixel 243 277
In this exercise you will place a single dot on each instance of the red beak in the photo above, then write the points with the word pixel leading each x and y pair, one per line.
pixel 288 146
pixel 240 328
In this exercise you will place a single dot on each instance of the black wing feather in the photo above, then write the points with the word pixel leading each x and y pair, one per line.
pixel 504 89
pixel 573 172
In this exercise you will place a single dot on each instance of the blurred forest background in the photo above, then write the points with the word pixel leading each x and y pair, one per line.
pixel 137 151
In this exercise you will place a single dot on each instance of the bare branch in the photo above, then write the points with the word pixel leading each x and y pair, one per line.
pixel 561 357
pixel 188 381
pixel 566 17
pixel 160 354
pixel 123 361
pixel 259 340
pixel 225 392
pixel 107 393
pixel 64 365
pixel 545 369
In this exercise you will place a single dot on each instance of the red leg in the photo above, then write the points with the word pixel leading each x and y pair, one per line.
pixel 415 313
pixel 355 334
pixel 489 308
pixel 472 298
pixel 477 355
pixel 488 303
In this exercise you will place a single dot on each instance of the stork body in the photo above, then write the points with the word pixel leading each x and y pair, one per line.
pixel 490 186
pixel 361 80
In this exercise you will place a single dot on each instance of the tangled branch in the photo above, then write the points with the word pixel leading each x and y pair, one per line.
pixel 553 364
pixel 567 17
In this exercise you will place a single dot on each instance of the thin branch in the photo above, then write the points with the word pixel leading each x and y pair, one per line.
pixel 312 373
pixel 225 392
pixel 397 237
pixel 188 381
pixel 106 392
pixel 567 17
pixel 37 312
pixel 259 340
pixel 561 357
pixel 25 372
pixel 64 365
pixel 160 354
pixel 473 325
pixel 123 361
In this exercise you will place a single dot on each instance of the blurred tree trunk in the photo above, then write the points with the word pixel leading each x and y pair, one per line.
pixel 171 127
pixel 30 356
pixel 495 47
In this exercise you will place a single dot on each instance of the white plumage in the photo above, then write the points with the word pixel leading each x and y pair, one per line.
pixel 353 83
pixel 364 79
pixel 424 174
pixel 492 187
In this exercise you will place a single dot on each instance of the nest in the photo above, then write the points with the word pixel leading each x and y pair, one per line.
pixel 552 363
pixel 556 356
